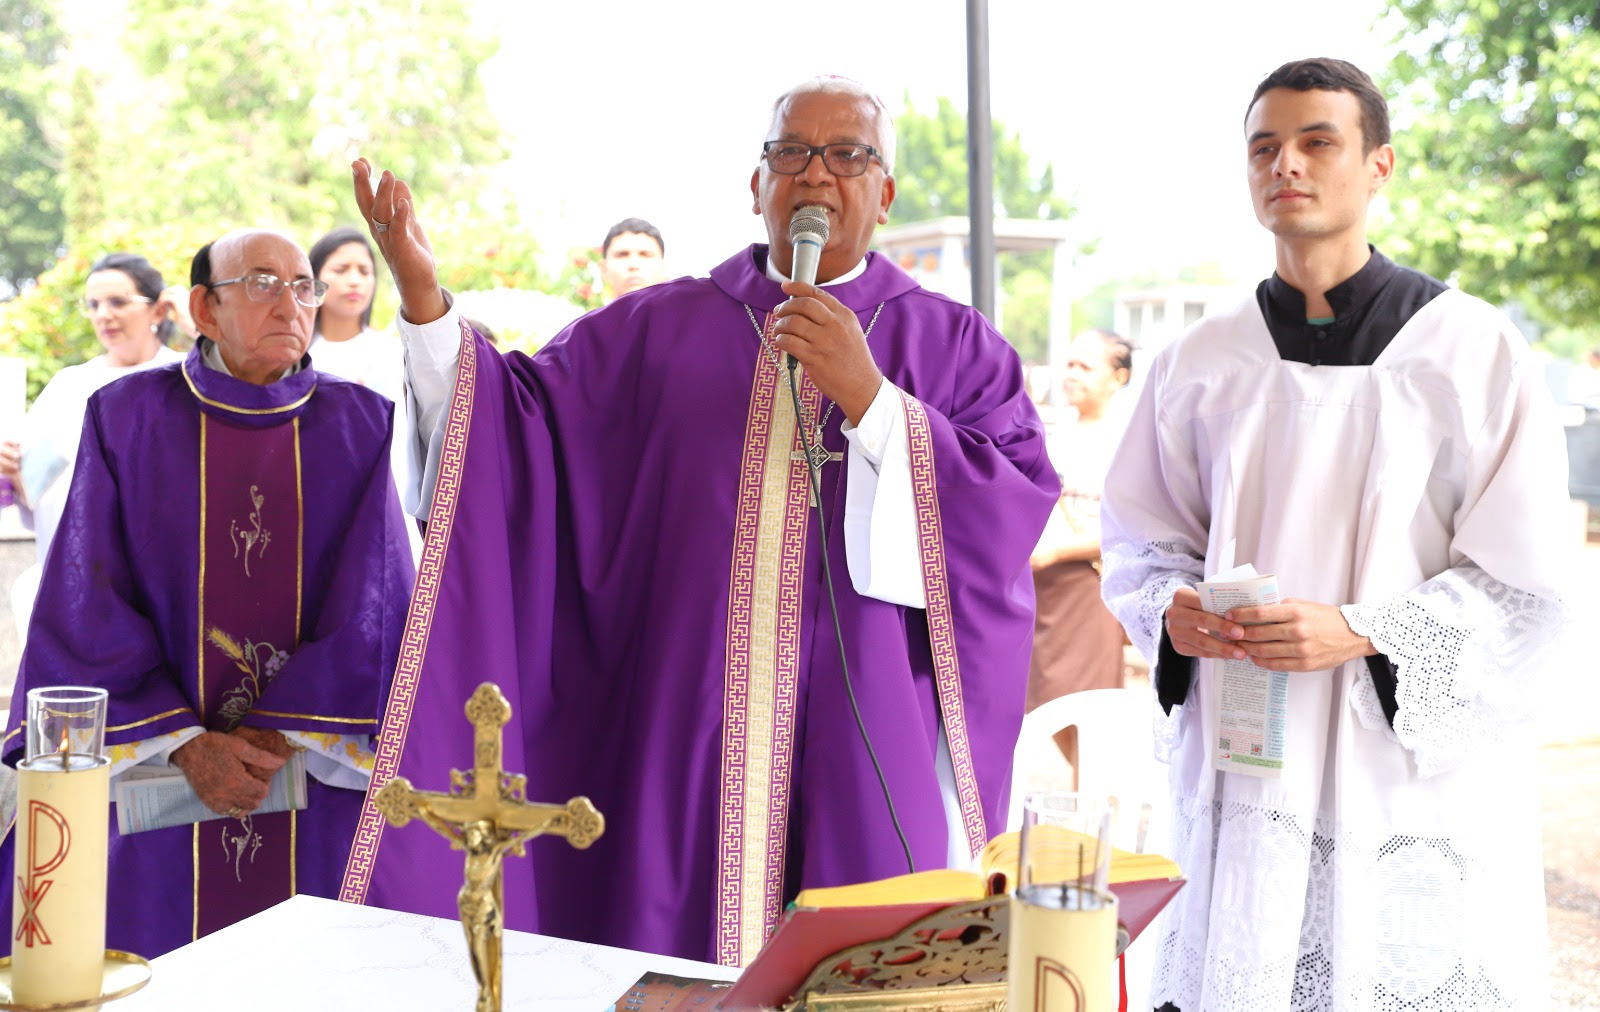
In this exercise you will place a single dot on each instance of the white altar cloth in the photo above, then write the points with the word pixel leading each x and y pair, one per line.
pixel 309 952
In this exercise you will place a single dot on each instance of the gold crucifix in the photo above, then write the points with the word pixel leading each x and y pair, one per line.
pixel 486 813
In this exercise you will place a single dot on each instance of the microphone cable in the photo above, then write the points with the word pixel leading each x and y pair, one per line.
pixel 813 472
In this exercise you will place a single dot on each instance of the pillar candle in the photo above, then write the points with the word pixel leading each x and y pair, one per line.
pixel 1063 950
pixel 58 917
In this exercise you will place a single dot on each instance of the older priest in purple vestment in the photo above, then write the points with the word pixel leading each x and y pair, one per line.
pixel 621 535
pixel 233 568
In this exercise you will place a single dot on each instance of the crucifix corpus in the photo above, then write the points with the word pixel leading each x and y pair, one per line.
pixel 486 813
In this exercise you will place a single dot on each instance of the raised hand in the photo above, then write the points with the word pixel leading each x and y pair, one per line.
pixel 825 336
pixel 391 218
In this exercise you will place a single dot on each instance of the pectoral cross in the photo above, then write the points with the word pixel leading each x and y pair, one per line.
pixel 819 455
pixel 487 814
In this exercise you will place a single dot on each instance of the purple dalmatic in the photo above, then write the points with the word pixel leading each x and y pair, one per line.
pixel 229 554
pixel 623 541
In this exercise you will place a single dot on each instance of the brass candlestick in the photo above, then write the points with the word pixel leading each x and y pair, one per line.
pixel 486 814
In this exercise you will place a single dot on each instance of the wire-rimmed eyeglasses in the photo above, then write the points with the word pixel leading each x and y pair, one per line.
pixel 267 287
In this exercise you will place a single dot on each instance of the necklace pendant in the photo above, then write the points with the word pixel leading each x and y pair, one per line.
pixel 819 454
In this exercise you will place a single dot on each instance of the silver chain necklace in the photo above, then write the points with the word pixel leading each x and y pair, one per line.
pixel 777 359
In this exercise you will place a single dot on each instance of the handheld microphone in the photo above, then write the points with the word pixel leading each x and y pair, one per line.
pixel 808 230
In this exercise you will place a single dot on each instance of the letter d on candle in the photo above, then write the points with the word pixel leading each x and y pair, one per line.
pixel 58 927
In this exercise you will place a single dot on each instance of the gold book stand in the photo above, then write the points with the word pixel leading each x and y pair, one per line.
pixel 953 960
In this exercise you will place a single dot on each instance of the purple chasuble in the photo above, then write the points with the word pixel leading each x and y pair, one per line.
pixel 621 541
pixel 230 554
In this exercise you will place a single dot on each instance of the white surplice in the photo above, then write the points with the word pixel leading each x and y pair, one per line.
pixel 1426 493
pixel 50 435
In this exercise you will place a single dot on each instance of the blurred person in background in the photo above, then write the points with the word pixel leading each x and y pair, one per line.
pixel 1077 643
pixel 133 319
pixel 631 257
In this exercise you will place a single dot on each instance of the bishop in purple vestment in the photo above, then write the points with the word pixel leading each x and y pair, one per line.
pixel 233 568
pixel 622 536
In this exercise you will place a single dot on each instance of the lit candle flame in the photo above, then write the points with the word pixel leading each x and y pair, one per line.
pixel 65 750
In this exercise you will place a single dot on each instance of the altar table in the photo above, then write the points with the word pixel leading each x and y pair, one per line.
pixel 309 952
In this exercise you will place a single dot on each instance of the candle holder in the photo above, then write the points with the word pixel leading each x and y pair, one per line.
pixel 59 958
pixel 122 974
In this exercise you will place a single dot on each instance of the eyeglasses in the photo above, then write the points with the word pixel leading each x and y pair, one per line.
pixel 116 303
pixel 790 158
pixel 267 287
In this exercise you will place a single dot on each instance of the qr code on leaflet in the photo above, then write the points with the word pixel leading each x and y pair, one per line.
pixel 1224 743
pixel 1255 749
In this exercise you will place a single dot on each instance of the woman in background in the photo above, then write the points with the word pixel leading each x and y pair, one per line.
pixel 1077 644
pixel 133 319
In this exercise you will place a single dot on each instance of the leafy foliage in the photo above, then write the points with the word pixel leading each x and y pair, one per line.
pixel 243 113
pixel 930 171
pixel 472 258
pixel 31 217
pixel 1497 109
pixel 274 98
pixel 930 175
pixel 83 182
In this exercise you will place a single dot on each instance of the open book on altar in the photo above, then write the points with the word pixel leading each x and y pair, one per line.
pixel 824 923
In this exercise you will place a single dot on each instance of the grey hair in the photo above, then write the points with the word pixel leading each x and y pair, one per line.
pixel 830 84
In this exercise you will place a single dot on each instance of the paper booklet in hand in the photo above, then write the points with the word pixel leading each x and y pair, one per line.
pixel 155 797
pixel 823 923
pixel 1253 703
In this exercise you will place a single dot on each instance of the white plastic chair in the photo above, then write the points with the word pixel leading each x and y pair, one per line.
pixel 1116 758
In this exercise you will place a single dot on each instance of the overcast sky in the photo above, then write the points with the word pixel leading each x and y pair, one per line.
pixel 637 107
pixel 642 108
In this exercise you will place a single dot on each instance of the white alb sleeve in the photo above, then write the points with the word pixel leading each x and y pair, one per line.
pixel 1469 652
pixel 880 516
pixel 432 356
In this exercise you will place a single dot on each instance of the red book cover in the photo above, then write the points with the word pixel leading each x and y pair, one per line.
pixel 805 936
pixel 1139 902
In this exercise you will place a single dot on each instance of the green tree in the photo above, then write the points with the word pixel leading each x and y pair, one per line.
pixel 83 183
pixel 262 104
pixel 1497 132
pixel 249 112
pixel 930 176
pixel 31 219
pixel 930 171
